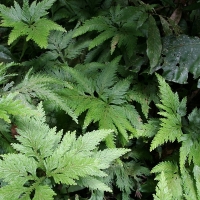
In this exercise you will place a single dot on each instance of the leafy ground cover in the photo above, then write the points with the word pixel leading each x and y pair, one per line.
pixel 99 99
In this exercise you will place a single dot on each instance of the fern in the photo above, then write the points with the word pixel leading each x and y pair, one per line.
pixel 45 155
pixel 3 72
pixel 42 86
pixel 29 21
pixel 103 98
pixel 123 26
pixel 119 26
pixel 170 172
pixel 171 110
pixel 162 190
pixel 61 49
pixel 11 106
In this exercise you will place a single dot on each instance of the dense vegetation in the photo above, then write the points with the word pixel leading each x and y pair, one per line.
pixel 99 99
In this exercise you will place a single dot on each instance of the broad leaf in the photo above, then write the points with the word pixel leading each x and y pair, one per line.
pixel 180 57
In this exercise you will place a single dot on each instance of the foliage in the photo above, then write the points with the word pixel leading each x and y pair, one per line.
pixel 28 21
pixel 123 28
pixel 103 96
pixel 111 75
pixel 46 158
pixel 180 57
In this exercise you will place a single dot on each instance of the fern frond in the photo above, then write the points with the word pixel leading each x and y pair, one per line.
pixel 196 172
pixel 40 9
pixel 39 34
pixel 10 15
pixel 27 21
pixel 11 106
pixel 172 176
pixel 42 86
pixel 149 129
pixel 162 190
pixel 46 155
pixel 5 137
pixel 83 82
pixel 43 192
pixel 171 123
pixel 119 91
pixel 3 69
pixel 93 184
pixel 103 97
pixel 190 190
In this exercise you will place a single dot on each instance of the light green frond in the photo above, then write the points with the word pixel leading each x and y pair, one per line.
pixel 39 34
pixel 196 172
pixel 189 187
pixel 43 156
pixel 172 176
pixel 90 140
pixel 10 106
pixel 13 173
pixel 27 21
pixel 42 86
pixel 185 150
pixel 171 126
pixel 44 192
pixel 170 131
pixel 96 111
pixel 107 156
pixel 169 100
pixel 162 190
pixel 94 184
pixel 14 192
pixel 19 30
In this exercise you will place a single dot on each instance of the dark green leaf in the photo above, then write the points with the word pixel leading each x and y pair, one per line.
pixel 154 46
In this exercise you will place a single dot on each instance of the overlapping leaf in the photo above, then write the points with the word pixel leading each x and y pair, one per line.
pixel 180 56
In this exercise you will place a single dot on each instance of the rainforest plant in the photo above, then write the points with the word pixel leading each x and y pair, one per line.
pixel 46 158
pixel 99 99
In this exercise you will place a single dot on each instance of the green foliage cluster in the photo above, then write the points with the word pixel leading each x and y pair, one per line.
pixel 99 100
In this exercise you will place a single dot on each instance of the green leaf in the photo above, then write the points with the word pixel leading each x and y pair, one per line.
pixel 43 192
pixel 162 190
pixel 154 45
pixel 44 158
pixel 165 25
pixel 94 184
pixel 172 178
pixel 9 105
pixel 27 21
pixel 180 57
pixel 39 34
pixel 171 126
